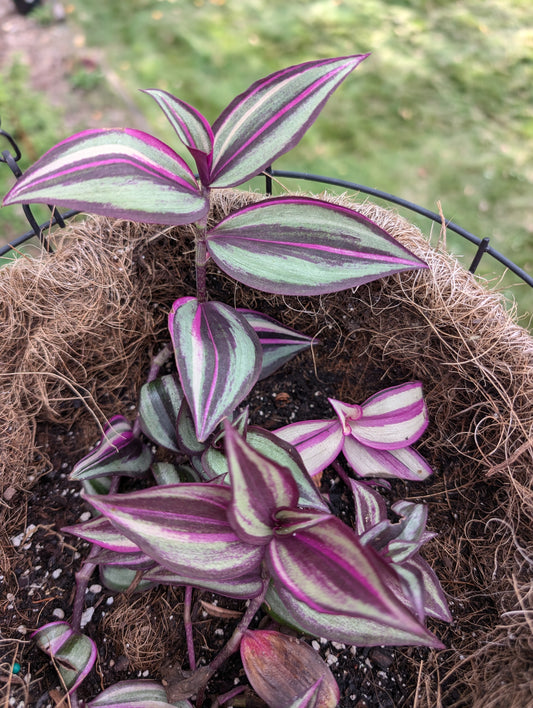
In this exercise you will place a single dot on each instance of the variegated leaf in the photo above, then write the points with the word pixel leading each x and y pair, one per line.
pixel 318 442
pixel 393 418
pixel 271 116
pixel 141 692
pixel 435 604
pixel 218 356
pixel 278 342
pixel 304 246
pixel 191 127
pixel 242 588
pixel 325 566
pixel 340 627
pixel 74 654
pixel 370 507
pixel 118 452
pixel 282 670
pixel 159 405
pixel 404 463
pixel 259 488
pixel 184 528
pixel 120 173
pixel 186 432
pixel 102 532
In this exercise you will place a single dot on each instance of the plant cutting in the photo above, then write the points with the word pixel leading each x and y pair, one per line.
pixel 236 510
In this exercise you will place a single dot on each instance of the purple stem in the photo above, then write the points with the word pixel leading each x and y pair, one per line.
pixel 82 580
pixel 220 700
pixel 235 639
pixel 188 627
pixel 341 472
pixel 202 256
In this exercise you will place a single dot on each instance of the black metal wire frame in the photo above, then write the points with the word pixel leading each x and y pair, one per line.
pixel 58 219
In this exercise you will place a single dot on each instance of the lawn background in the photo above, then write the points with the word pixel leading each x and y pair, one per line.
pixel 442 111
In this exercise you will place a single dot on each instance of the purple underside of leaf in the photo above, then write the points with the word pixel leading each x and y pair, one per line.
pixel 305 246
pixel 102 532
pixel 218 356
pixel 184 528
pixel 120 173
pixel 271 116
pixel 244 587
pixel 259 487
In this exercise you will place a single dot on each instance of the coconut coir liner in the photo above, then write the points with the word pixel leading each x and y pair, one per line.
pixel 78 329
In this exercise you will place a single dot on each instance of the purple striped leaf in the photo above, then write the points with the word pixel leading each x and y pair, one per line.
pixel 401 539
pixel 242 588
pixel 286 672
pixel 271 116
pixel 186 432
pixel 305 246
pixel 218 356
pixel 393 418
pixel 159 404
pixel 184 528
pixel 278 342
pixel 318 442
pixel 284 454
pixel 435 604
pixel 120 173
pixel 141 693
pixel 259 488
pixel 118 452
pixel 404 463
pixel 325 566
pixel 370 507
pixel 191 128
pixel 73 654
pixel 133 561
pixel 101 532
pixel 340 627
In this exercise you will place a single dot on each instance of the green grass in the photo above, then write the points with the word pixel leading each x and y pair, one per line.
pixel 441 111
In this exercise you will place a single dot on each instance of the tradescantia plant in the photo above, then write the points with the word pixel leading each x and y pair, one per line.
pixel 237 512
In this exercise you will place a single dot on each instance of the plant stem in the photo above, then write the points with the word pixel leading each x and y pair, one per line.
pixel 235 639
pixel 188 627
pixel 82 580
pixel 202 256
pixel 196 684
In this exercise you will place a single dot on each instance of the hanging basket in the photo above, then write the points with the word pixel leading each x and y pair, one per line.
pixel 79 328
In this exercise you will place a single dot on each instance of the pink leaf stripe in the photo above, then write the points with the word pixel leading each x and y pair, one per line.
pixel 305 246
pixel 271 116
pixel 120 173
pixel 259 487
pixel 183 527
pixel 191 127
pixel 218 356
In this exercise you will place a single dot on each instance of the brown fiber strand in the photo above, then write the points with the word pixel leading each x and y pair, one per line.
pixel 77 330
